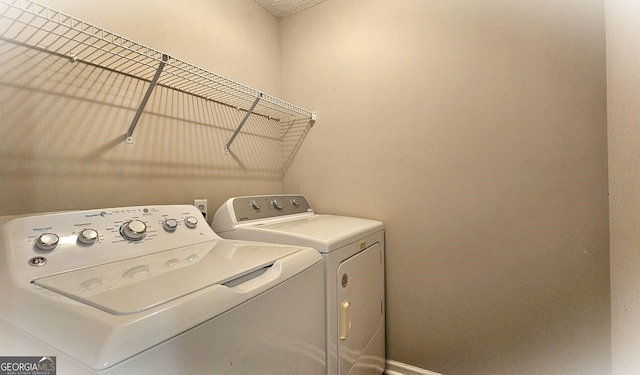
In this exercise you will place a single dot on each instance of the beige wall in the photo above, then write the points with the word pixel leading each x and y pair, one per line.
pixel 623 86
pixel 476 130
pixel 62 125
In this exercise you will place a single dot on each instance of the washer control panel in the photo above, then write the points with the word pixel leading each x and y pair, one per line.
pixel 59 242
pixel 269 206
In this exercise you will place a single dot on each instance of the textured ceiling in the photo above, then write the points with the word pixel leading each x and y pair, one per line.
pixel 283 8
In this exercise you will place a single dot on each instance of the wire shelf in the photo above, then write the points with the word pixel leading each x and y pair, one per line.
pixel 26 23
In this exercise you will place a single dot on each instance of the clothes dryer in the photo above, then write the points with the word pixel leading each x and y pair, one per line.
pixel 353 249
pixel 153 290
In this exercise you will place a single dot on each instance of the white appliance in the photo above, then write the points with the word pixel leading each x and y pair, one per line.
pixel 353 250
pixel 153 290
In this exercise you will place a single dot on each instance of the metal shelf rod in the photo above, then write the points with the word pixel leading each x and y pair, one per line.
pixel 246 116
pixel 147 95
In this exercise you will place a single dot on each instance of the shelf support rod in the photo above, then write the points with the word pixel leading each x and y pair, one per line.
pixel 246 116
pixel 129 136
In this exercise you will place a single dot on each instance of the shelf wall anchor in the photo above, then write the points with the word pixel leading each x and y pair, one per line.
pixel 129 136
pixel 246 117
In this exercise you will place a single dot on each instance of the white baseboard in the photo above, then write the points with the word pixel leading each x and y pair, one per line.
pixel 399 368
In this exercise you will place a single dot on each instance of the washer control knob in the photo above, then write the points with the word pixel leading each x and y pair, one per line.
pixel 134 230
pixel 294 202
pixel 254 205
pixel 191 222
pixel 275 204
pixel 88 236
pixel 170 225
pixel 47 241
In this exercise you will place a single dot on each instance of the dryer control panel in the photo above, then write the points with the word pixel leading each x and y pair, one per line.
pixel 269 206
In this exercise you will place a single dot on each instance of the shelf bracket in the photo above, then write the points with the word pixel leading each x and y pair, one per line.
pixel 129 136
pixel 246 116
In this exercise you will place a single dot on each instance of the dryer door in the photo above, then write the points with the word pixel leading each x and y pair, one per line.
pixel 360 294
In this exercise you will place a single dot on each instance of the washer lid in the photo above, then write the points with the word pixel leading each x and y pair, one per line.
pixel 141 283
pixel 325 233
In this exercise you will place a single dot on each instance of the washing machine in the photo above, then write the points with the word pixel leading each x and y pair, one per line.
pixel 153 290
pixel 353 250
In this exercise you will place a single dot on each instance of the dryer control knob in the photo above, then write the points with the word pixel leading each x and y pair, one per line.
pixel 170 225
pixel 275 204
pixel 88 236
pixel 191 222
pixel 254 205
pixel 47 241
pixel 134 230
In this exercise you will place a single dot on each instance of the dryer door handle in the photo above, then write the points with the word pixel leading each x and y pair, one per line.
pixel 345 319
